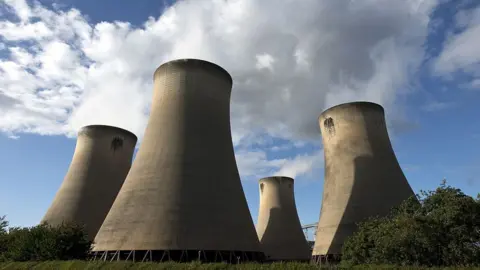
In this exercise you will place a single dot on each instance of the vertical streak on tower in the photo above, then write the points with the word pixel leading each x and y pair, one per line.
pixel 362 174
pixel 183 199
pixel 278 227
pixel 100 163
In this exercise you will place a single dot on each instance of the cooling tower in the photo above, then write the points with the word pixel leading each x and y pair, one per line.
pixel 278 227
pixel 183 199
pixel 362 174
pixel 100 163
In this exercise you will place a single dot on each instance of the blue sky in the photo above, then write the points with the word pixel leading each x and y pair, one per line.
pixel 66 64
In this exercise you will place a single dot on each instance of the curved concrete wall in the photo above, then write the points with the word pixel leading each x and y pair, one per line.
pixel 100 163
pixel 362 174
pixel 183 191
pixel 278 227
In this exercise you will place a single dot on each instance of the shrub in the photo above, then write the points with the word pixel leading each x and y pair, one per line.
pixel 3 236
pixel 43 242
pixel 441 228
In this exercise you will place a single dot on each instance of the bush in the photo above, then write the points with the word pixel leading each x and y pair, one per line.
pixel 439 228
pixel 43 242
pixel 3 236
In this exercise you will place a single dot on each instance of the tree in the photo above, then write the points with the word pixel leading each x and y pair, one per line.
pixel 43 242
pixel 3 236
pixel 72 242
pixel 438 228
pixel 3 224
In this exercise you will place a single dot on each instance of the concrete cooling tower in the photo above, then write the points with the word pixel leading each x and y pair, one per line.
pixel 278 227
pixel 362 174
pixel 183 199
pixel 100 163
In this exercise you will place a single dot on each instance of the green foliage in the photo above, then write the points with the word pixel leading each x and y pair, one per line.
pixel 3 236
pixel 166 265
pixel 42 242
pixel 80 265
pixel 439 228
pixel 3 224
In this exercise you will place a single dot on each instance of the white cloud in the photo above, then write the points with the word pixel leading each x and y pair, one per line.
pixel 287 65
pixel 264 61
pixel 433 106
pixel 20 8
pixel 12 31
pixel 21 56
pixel 301 165
pixel 475 84
pixel 461 51
pixel 255 164
pixel 282 147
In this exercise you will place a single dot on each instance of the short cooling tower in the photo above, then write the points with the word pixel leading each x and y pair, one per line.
pixel 101 161
pixel 183 199
pixel 362 174
pixel 278 227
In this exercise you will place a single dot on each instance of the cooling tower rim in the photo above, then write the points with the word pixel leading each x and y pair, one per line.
pixel 368 104
pixel 107 127
pixel 197 62
pixel 269 178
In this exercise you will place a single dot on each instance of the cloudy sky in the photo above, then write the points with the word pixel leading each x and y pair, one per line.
pixel 66 64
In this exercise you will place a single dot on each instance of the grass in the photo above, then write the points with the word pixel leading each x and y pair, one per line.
pixel 167 265
pixel 73 265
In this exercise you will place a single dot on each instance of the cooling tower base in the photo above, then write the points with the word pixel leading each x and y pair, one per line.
pixel 178 256
pixel 327 259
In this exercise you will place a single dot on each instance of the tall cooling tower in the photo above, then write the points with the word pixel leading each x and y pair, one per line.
pixel 183 199
pixel 362 174
pixel 101 161
pixel 278 227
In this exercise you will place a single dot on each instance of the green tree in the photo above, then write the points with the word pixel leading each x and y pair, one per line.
pixel 71 242
pixel 42 243
pixel 3 224
pixel 3 236
pixel 438 228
